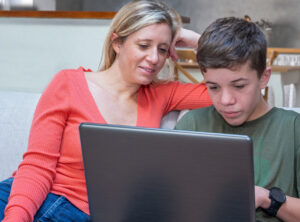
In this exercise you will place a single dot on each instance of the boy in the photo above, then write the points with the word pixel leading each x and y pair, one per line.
pixel 232 58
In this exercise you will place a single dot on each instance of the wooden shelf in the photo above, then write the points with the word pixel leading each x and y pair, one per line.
pixel 67 14
pixel 58 14
pixel 284 69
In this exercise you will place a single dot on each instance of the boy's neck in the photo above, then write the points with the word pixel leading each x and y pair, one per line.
pixel 261 109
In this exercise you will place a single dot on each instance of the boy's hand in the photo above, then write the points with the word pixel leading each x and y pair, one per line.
pixel 262 197
pixel 183 38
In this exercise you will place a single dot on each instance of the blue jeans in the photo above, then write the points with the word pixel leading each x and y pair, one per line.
pixel 55 208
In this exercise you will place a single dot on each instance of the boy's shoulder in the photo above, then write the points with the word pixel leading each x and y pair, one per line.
pixel 291 110
pixel 285 118
pixel 204 112
pixel 287 112
pixel 210 114
pixel 191 119
pixel 200 112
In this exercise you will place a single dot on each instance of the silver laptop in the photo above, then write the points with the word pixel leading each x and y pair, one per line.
pixel 154 175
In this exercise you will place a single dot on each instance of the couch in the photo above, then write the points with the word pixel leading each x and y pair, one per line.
pixel 16 112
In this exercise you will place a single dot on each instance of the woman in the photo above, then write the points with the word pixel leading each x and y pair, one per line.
pixel 49 184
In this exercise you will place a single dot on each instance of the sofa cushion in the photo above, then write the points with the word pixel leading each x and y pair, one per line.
pixel 16 112
pixel 170 119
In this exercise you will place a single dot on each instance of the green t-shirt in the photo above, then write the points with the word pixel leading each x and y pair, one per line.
pixel 276 144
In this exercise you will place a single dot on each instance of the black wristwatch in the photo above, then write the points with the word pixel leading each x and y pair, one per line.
pixel 277 197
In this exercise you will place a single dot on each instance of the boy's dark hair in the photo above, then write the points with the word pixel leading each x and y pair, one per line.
pixel 230 42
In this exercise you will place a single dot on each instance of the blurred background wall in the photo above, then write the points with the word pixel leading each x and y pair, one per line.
pixel 283 15
pixel 43 46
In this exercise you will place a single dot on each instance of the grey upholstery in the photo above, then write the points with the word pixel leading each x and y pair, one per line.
pixel 16 112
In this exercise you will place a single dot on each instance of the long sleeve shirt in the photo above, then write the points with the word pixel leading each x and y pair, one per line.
pixel 53 160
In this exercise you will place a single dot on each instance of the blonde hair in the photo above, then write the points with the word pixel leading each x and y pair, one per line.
pixel 131 18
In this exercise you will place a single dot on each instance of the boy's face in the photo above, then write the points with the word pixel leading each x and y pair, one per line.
pixel 236 93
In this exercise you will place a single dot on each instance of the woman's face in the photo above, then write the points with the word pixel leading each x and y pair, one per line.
pixel 142 55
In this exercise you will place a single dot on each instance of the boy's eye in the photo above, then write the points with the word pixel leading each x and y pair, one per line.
pixel 213 87
pixel 239 86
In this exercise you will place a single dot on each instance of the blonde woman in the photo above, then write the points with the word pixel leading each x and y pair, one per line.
pixel 49 184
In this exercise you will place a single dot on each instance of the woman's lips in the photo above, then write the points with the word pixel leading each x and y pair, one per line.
pixel 147 70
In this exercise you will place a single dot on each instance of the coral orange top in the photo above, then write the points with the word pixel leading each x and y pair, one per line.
pixel 53 161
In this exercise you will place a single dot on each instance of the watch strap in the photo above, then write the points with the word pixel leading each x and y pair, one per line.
pixel 275 203
pixel 273 209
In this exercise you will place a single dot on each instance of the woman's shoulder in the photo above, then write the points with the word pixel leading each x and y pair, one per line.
pixel 71 74
pixel 67 77
pixel 66 72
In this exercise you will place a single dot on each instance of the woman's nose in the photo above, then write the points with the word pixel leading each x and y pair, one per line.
pixel 153 56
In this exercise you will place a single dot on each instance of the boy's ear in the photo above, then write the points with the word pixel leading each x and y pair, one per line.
pixel 265 77
pixel 115 42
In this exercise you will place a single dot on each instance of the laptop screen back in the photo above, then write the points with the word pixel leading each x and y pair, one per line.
pixel 141 174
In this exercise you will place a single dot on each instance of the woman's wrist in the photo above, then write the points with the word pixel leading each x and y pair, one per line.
pixel 193 38
pixel 197 37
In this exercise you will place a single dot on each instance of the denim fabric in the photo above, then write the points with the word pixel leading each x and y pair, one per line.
pixel 55 208
pixel 4 194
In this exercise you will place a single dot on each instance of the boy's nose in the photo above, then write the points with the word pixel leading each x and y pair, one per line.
pixel 227 98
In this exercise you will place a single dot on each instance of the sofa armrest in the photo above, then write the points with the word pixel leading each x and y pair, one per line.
pixel 16 113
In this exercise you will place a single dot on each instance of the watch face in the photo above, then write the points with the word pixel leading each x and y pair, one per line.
pixel 277 195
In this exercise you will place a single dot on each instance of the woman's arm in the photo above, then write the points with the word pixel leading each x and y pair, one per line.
pixel 180 96
pixel 37 171
pixel 184 38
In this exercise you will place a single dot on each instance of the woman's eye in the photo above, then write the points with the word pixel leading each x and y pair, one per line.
pixel 163 50
pixel 143 46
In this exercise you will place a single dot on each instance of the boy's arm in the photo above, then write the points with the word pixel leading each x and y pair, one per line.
pixel 289 211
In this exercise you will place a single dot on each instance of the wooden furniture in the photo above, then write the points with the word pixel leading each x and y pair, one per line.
pixel 272 53
pixel 186 60
pixel 58 14
pixel 283 74
pixel 67 14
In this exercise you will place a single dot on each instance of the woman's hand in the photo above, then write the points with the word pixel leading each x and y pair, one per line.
pixel 183 38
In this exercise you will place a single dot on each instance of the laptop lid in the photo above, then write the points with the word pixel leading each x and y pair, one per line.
pixel 143 174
